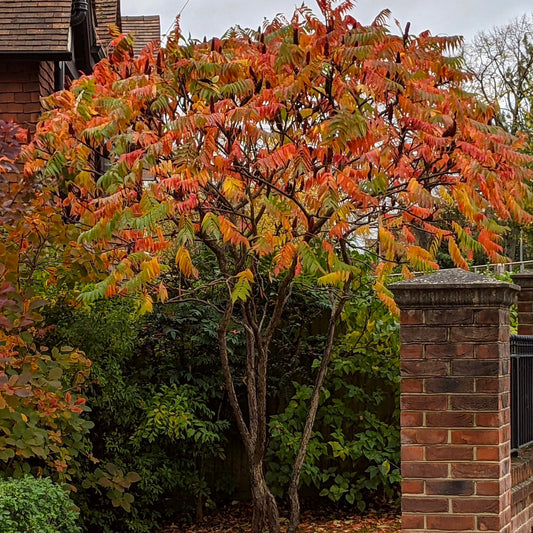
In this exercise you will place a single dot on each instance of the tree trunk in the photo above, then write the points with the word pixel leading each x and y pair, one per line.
pixel 294 515
pixel 265 508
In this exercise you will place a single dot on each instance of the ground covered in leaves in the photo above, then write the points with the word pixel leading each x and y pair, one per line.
pixel 237 519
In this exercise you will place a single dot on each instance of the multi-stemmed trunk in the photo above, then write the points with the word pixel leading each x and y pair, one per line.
pixel 254 432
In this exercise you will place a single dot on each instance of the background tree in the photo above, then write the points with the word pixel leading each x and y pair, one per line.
pixel 285 154
pixel 501 63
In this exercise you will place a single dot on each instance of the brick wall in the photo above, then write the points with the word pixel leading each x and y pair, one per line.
pixel 46 78
pixel 522 492
pixel 522 464
pixel 525 302
pixel 22 84
pixel 20 90
pixel 455 403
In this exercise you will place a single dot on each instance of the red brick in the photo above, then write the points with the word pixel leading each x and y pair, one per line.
pixel 412 385
pixel 424 470
pixel 475 368
pixel 449 453
pixel 424 436
pixel 475 403
pixel 492 316
pixel 412 351
pixel 450 419
pixel 476 334
pixel 526 318
pixel 424 505
pixel 476 470
pixel 450 487
pixel 412 453
pixel 423 368
pixel 408 419
pixel 411 316
pixel 525 329
pixel 490 453
pixel 476 505
pixel 454 316
pixel 412 522
pixel 449 351
pixel 495 384
pixel 505 433
pixel 489 523
pixel 488 488
pixel 451 523
pixel 422 335
pixel 450 384
pixel 423 402
pixel 475 436
pixel 492 351
pixel 412 486
pixel 524 306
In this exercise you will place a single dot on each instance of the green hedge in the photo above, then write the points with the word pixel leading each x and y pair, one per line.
pixel 30 505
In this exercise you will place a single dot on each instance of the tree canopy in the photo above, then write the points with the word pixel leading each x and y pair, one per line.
pixel 288 154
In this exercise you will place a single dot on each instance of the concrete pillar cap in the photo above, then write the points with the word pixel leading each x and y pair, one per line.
pixel 451 288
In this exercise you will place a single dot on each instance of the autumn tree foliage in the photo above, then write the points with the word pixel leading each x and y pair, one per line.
pixel 289 154
pixel 40 418
pixel 501 61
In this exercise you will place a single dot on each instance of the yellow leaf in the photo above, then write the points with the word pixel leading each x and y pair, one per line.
pixel 163 293
pixel 146 305
pixel 456 255
pixel 232 188
pixel 334 278
pixel 184 262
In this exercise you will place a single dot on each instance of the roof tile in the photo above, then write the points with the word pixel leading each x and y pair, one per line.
pixel 107 12
pixel 145 30
pixel 31 26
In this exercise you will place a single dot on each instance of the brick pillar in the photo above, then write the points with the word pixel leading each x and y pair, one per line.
pixel 455 414
pixel 525 302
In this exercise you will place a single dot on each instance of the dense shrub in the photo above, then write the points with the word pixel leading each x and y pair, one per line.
pixel 156 405
pixel 159 407
pixel 30 505
pixel 355 449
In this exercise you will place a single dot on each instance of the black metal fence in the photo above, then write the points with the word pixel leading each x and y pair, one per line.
pixel 521 391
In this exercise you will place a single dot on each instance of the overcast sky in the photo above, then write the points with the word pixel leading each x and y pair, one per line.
pixel 448 17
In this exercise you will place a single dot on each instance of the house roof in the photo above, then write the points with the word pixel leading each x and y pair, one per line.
pixel 107 12
pixel 39 27
pixel 145 30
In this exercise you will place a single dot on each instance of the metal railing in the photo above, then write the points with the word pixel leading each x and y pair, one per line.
pixel 521 391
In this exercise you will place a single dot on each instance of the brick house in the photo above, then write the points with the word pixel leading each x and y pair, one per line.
pixel 45 44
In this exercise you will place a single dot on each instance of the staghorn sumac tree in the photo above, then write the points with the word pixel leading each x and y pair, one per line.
pixel 288 155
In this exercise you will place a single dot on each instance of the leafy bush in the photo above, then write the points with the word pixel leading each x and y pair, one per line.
pixel 355 449
pixel 30 505
pixel 155 399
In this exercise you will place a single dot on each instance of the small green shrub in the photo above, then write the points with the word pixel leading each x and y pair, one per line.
pixel 30 505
